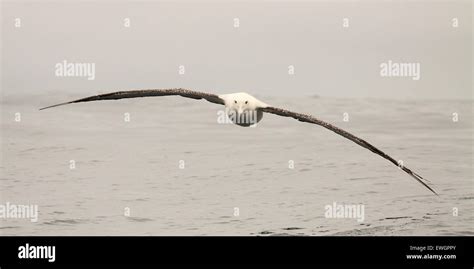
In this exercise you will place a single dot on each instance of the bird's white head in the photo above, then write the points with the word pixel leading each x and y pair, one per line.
pixel 242 108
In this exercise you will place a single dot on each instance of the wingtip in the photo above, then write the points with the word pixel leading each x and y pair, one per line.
pixel 420 179
pixel 433 191
pixel 46 107
pixel 43 108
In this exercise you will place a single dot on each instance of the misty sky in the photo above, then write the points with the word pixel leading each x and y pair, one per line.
pixel 328 59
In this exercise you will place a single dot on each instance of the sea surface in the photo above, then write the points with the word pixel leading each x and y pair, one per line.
pixel 173 170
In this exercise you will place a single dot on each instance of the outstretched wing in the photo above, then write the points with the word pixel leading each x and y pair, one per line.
pixel 355 139
pixel 147 93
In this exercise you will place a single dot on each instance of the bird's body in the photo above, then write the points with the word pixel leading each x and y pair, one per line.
pixel 246 110
pixel 243 109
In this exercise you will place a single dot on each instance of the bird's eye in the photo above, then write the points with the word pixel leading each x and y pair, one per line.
pixel 246 102
pixel 235 101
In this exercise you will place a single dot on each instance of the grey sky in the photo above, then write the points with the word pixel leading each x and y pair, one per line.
pixel 329 60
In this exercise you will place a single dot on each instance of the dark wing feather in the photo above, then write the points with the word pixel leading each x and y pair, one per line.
pixel 355 139
pixel 147 93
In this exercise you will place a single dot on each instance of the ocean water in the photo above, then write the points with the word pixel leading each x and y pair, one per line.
pixel 172 170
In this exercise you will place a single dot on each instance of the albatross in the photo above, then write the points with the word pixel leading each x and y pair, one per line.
pixel 245 110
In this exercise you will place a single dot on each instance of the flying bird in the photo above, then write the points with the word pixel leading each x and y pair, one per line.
pixel 245 110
